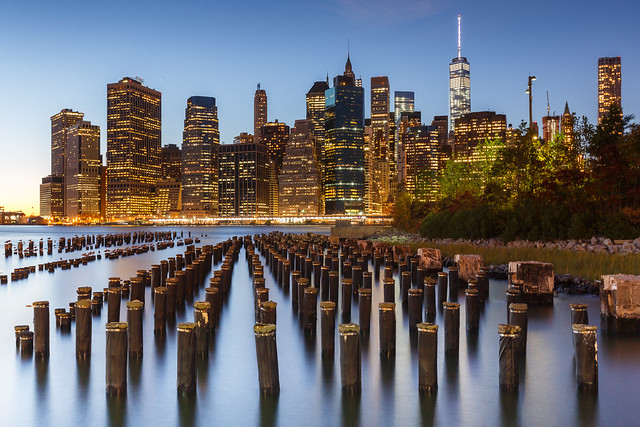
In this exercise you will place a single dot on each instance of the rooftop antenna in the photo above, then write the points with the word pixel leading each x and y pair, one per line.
pixel 459 38
pixel 548 104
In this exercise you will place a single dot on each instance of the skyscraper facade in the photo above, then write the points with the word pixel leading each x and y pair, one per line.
pixel 609 85
pixel 51 197
pixel 259 112
pixel 133 148
pixel 82 181
pixel 171 157
pixel 550 127
pixel 60 122
pixel 403 101
pixel 315 114
pixel 477 127
pixel 200 141
pixel 459 84
pixel 299 181
pixel 244 180
pixel 381 155
pixel 567 126
pixel 275 135
pixel 344 151
pixel 422 152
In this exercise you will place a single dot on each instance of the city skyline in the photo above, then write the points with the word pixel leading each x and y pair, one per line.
pixel 498 80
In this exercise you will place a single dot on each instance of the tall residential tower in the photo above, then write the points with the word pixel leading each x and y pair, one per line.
pixel 133 148
pixel 200 141
pixel 259 112
pixel 609 85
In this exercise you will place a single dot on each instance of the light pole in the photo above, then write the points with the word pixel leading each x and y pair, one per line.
pixel 531 80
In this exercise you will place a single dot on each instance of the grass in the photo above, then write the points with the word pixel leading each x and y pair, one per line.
pixel 588 265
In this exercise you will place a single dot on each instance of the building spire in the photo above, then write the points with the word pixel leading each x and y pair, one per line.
pixel 459 39
pixel 566 108
pixel 258 86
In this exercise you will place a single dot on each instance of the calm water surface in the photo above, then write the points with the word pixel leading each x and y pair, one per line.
pixel 70 393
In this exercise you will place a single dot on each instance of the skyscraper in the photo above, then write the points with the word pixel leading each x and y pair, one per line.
pixel 275 136
pixel 259 112
pixel 475 128
pixel 381 156
pixel 609 85
pixel 299 181
pixel 171 168
pixel 82 181
pixel 315 113
pixel 459 84
pixel 60 122
pixel 200 141
pixel 403 101
pixel 344 151
pixel 550 127
pixel 244 179
pixel 51 197
pixel 133 148
pixel 422 151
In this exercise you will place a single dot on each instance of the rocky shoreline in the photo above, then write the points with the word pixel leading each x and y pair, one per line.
pixel 564 283
pixel 595 244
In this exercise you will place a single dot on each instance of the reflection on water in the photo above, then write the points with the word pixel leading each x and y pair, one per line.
pixel 49 391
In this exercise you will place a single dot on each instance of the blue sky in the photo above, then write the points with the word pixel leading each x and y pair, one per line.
pixel 62 54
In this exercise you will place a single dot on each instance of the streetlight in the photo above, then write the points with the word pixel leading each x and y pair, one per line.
pixel 531 80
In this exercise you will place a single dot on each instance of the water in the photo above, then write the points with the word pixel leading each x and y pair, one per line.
pixel 64 391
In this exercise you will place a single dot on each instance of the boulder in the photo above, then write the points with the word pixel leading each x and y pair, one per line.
pixel 430 259
pixel 620 296
pixel 468 266
pixel 534 279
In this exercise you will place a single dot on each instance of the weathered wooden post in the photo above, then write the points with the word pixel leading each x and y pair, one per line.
pixel 114 298
pixel 267 313
pixel 364 309
pixel 451 327
pixel 267 357
pixel 427 357
pixel 309 308
pixel 350 358
pixel 472 309
pixel 186 358
pixel 405 285
pixel 134 320
pixel 347 290
pixel 201 319
pixel 327 326
pixel 83 329
pixel 415 308
pixel 518 317
pixel 160 311
pixel 579 314
pixel 585 343
pixel 387 327
pixel 442 287
pixel 389 290
pixel 41 329
pixel 116 358
pixel 429 299
pixel 508 357
pixel 333 286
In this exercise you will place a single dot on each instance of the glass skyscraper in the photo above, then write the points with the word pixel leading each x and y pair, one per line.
pixel 133 148
pixel 200 141
pixel 459 85
pixel 344 146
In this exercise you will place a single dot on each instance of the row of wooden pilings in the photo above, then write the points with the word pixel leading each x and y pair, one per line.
pixel 307 267
pixel 172 282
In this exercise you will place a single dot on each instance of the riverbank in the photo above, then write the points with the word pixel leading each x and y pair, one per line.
pixel 577 264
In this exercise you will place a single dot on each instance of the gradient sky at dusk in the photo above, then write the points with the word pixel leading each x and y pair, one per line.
pixel 62 54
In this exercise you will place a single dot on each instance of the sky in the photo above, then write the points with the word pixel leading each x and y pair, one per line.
pixel 62 54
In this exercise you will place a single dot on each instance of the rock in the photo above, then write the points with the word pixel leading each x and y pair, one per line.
pixel 607 242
